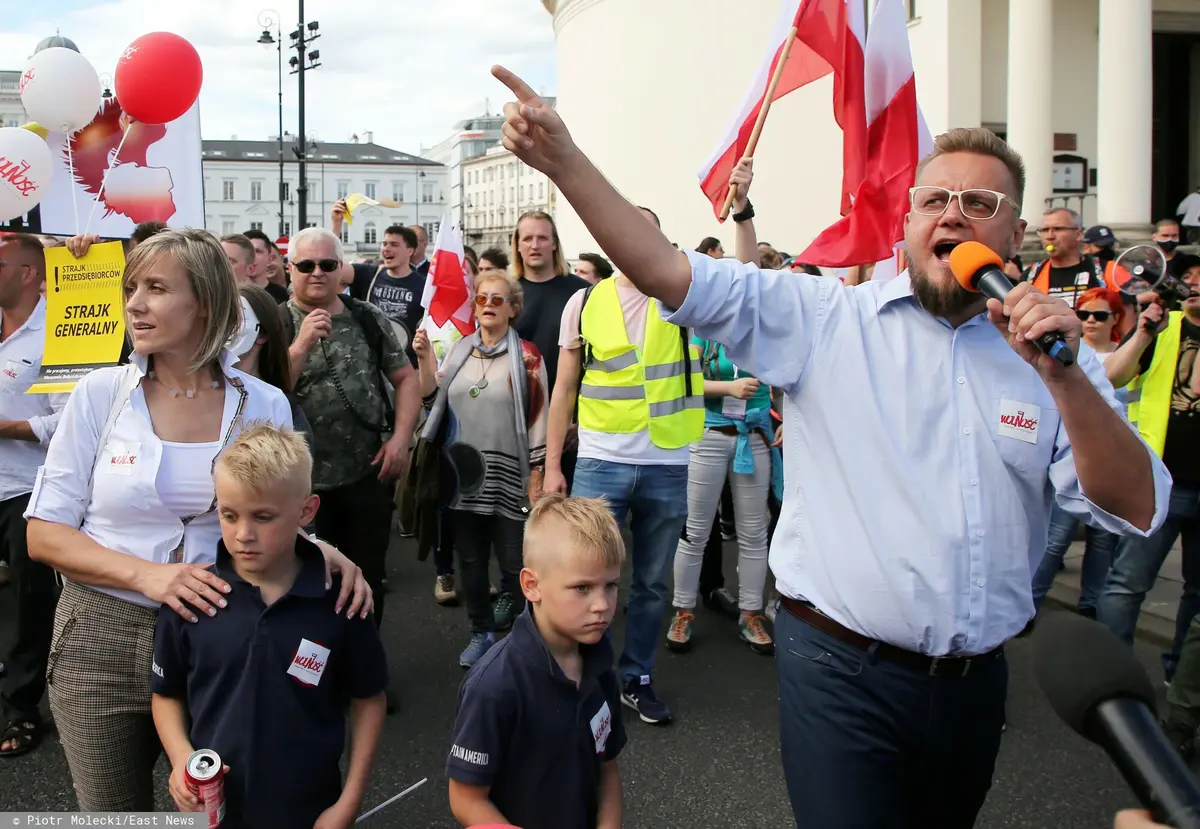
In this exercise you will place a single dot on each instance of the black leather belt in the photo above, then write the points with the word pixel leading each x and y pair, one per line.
pixel 940 666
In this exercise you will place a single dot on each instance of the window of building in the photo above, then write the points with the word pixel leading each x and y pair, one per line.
pixel 912 9
pixel 502 174
pixel 370 237
pixel 227 189
pixel 228 226
pixel 522 192
pixel 431 229
pixel 512 193
pixel 287 190
pixel 287 229
pixel 510 169
pixel 541 190
pixel 256 191
pixel 256 225
pixel 398 191
pixel 343 189
pixel 427 191
pixel 345 234
pixel 370 190
pixel 491 218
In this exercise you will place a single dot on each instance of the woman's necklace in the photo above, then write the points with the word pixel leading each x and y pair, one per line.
pixel 480 384
pixel 188 393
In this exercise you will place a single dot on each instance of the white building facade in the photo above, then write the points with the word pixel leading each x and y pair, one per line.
pixel 471 138
pixel 12 113
pixel 241 181
pixel 500 188
pixel 1101 97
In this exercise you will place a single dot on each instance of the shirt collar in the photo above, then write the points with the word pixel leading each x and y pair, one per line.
pixel 528 641
pixel 896 288
pixel 310 581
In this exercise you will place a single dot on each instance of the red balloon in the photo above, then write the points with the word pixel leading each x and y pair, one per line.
pixel 158 78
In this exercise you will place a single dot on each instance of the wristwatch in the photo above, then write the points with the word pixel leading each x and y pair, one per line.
pixel 746 215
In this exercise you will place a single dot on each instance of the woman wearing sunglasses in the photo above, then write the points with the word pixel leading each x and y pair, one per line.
pixel 488 404
pixel 1101 311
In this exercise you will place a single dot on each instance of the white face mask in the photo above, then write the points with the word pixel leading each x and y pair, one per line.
pixel 241 342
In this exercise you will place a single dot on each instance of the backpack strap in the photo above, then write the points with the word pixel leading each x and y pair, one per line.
pixel 586 356
pixel 373 332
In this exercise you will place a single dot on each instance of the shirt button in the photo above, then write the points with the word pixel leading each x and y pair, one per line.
pixel 962 380
pixel 979 533
pixel 966 430
pixel 974 482
pixel 979 583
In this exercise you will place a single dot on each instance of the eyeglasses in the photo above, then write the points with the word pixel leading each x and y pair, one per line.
pixel 308 265
pixel 494 300
pixel 1098 316
pixel 974 204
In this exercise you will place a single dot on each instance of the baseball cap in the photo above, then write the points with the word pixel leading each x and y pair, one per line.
pixel 1099 235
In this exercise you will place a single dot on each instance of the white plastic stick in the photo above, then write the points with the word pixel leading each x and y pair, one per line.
pixel 74 183
pixel 104 180
pixel 392 800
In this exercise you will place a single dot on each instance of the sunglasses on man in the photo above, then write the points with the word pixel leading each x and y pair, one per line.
pixel 1098 316
pixel 310 265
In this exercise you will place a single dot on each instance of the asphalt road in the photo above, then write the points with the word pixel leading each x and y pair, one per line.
pixel 716 766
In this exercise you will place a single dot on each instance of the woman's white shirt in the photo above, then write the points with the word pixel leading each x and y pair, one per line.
pixel 124 510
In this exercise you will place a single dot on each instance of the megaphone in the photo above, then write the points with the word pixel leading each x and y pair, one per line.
pixel 1143 268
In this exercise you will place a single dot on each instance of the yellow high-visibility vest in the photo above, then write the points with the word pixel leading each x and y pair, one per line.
pixel 1150 392
pixel 624 391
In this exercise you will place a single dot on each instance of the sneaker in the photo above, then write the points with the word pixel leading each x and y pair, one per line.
pixel 722 601
pixel 479 645
pixel 639 695
pixel 679 634
pixel 752 628
pixel 504 611
pixel 771 609
pixel 443 590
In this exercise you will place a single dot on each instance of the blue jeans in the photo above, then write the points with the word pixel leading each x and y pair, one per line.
pixel 1136 569
pixel 657 498
pixel 867 742
pixel 1097 558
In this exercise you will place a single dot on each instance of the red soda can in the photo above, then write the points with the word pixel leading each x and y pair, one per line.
pixel 205 776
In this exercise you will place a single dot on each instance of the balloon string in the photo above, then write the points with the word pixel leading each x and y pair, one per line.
pixel 74 183
pixel 104 180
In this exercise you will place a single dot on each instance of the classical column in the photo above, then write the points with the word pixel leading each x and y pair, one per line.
pixel 1123 129
pixel 1030 102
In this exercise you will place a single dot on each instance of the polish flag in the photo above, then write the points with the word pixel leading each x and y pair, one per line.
pixel 448 289
pixel 875 104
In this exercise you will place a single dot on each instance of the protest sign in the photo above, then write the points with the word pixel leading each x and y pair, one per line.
pixel 85 325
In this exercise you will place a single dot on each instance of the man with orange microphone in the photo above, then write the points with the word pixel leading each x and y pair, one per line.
pixel 929 408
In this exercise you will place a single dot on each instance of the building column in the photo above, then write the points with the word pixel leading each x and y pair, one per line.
pixel 1030 126
pixel 1123 129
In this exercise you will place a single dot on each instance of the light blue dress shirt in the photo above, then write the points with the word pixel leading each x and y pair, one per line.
pixel 912 514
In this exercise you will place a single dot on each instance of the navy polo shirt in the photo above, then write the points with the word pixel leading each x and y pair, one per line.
pixel 530 734
pixel 267 689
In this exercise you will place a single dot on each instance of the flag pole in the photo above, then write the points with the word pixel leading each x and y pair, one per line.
pixel 762 114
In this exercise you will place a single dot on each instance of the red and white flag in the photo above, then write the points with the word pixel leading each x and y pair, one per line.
pixel 448 289
pixel 875 104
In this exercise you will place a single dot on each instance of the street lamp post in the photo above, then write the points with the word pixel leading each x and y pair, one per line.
pixel 304 60
pixel 268 18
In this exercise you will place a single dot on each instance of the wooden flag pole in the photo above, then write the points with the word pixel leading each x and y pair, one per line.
pixel 762 114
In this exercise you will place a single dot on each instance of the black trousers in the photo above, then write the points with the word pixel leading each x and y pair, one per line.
pixel 36 595
pixel 357 519
pixel 475 537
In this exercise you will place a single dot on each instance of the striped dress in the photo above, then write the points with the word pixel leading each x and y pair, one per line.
pixel 481 442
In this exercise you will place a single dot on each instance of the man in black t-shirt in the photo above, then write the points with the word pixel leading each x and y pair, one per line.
pixel 1067 273
pixel 546 282
pixel 1171 425
pixel 395 286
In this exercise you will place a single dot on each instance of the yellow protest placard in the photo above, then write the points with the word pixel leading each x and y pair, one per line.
pixel 84 323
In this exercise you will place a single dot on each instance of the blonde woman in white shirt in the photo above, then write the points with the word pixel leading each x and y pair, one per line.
pixel 124 508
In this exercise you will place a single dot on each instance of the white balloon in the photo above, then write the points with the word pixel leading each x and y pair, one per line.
pixel 60 89
pixel 25 169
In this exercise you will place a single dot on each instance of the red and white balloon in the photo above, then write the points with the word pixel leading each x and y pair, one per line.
pixel 158 78
pixel 25 169
pixel 60 89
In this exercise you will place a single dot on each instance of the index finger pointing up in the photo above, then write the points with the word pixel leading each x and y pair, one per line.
pixel 522 90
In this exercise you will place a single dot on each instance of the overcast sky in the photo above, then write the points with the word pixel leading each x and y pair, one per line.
pixel 405 69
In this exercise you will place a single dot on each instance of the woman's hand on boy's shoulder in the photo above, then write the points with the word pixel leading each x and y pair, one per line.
pixel 354 588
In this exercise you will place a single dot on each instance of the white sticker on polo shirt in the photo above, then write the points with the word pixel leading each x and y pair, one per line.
pixel 1019 420
pixel 602 727
pixel 120 457
pixel 309 662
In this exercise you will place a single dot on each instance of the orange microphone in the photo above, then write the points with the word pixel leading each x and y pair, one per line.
pixel 978 268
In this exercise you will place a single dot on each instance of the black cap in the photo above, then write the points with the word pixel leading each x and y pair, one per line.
pixel 1080 663
pixel 1099 235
